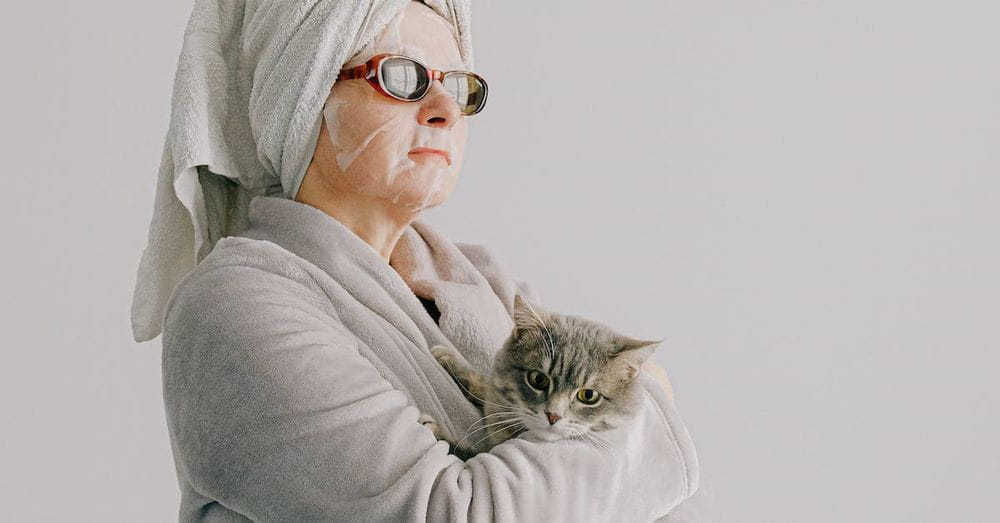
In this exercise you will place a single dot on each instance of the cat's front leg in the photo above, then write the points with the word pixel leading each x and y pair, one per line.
pixel 462 452
pixel 428 421
pixel 472 383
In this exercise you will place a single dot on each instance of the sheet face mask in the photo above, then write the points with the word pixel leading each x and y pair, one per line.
pixel 372 135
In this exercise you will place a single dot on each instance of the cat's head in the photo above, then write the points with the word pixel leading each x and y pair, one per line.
pixel 567 375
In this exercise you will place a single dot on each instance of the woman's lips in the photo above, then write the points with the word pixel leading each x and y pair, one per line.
pixel 427 151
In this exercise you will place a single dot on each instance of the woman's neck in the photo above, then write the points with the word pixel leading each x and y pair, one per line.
pixel 377 221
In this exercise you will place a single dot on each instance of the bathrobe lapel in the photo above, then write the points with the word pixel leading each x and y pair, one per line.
pixel 474 316
pixel 474 301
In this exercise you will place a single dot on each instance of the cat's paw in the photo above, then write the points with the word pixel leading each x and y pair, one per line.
pixel 444 354
pixel 428 421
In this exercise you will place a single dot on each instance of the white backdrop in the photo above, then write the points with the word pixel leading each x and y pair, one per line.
pixel 800 196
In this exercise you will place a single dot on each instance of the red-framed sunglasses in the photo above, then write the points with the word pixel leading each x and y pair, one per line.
pixel 403 78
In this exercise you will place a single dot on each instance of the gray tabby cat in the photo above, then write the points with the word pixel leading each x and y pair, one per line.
pixel 556 376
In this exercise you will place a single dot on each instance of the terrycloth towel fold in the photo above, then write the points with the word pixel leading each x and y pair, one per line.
pixel 250 85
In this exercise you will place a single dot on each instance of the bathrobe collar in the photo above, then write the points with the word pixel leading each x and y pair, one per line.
pixel 474 301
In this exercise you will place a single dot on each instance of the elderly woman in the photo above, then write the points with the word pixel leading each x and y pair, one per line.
pixel 299 294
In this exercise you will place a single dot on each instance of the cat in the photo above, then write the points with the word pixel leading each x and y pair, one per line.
pixel 556 376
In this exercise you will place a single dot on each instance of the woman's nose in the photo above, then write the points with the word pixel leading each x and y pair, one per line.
pixel 438 108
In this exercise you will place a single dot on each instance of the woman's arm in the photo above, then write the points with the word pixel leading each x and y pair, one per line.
pixel 275 414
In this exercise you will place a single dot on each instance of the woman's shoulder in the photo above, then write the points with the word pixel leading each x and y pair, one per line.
pixel 238 269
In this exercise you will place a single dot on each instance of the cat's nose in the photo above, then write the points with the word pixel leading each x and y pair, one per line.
pixel 553 418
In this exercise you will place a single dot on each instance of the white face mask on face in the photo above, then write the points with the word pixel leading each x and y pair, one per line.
pixel 380 143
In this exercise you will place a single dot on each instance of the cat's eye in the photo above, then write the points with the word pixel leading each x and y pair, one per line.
pixel 588 396
pixel 537 380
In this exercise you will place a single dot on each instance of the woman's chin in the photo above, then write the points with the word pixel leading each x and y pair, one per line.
pixel 422 190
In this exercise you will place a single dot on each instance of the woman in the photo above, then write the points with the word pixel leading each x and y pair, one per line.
pixel 296 352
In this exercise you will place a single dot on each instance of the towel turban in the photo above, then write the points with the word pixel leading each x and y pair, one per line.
pixel 251 82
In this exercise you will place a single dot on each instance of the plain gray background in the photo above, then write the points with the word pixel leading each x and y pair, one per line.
pixel 800 196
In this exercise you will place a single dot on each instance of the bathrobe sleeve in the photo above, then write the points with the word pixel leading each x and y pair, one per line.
pixel 274 413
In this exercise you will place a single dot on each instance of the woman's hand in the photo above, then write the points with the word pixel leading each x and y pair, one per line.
pixel 660 375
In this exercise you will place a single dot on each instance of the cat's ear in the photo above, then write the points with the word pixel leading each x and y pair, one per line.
pixel 526 316
pixel 631 354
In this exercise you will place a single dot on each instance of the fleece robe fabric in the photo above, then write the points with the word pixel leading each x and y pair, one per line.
pixel 296 362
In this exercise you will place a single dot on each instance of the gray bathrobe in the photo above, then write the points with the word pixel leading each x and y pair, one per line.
pixel 296 362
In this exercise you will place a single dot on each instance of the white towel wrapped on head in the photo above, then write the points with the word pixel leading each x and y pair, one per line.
pixel 249 90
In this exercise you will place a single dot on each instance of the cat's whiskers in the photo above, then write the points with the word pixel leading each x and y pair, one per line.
pixel 583 438
pixel 552 348
pixel 505 411
pixel 486 426
pixel 467 391
pixel 506 425
pixel 501 429
pixel 600 444
pixel 507 414
pixel 490 424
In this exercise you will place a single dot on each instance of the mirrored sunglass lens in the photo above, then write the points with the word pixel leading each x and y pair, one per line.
pixel 404 78
pixel 468 91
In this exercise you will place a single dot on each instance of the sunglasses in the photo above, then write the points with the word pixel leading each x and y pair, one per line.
pixel 405 79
